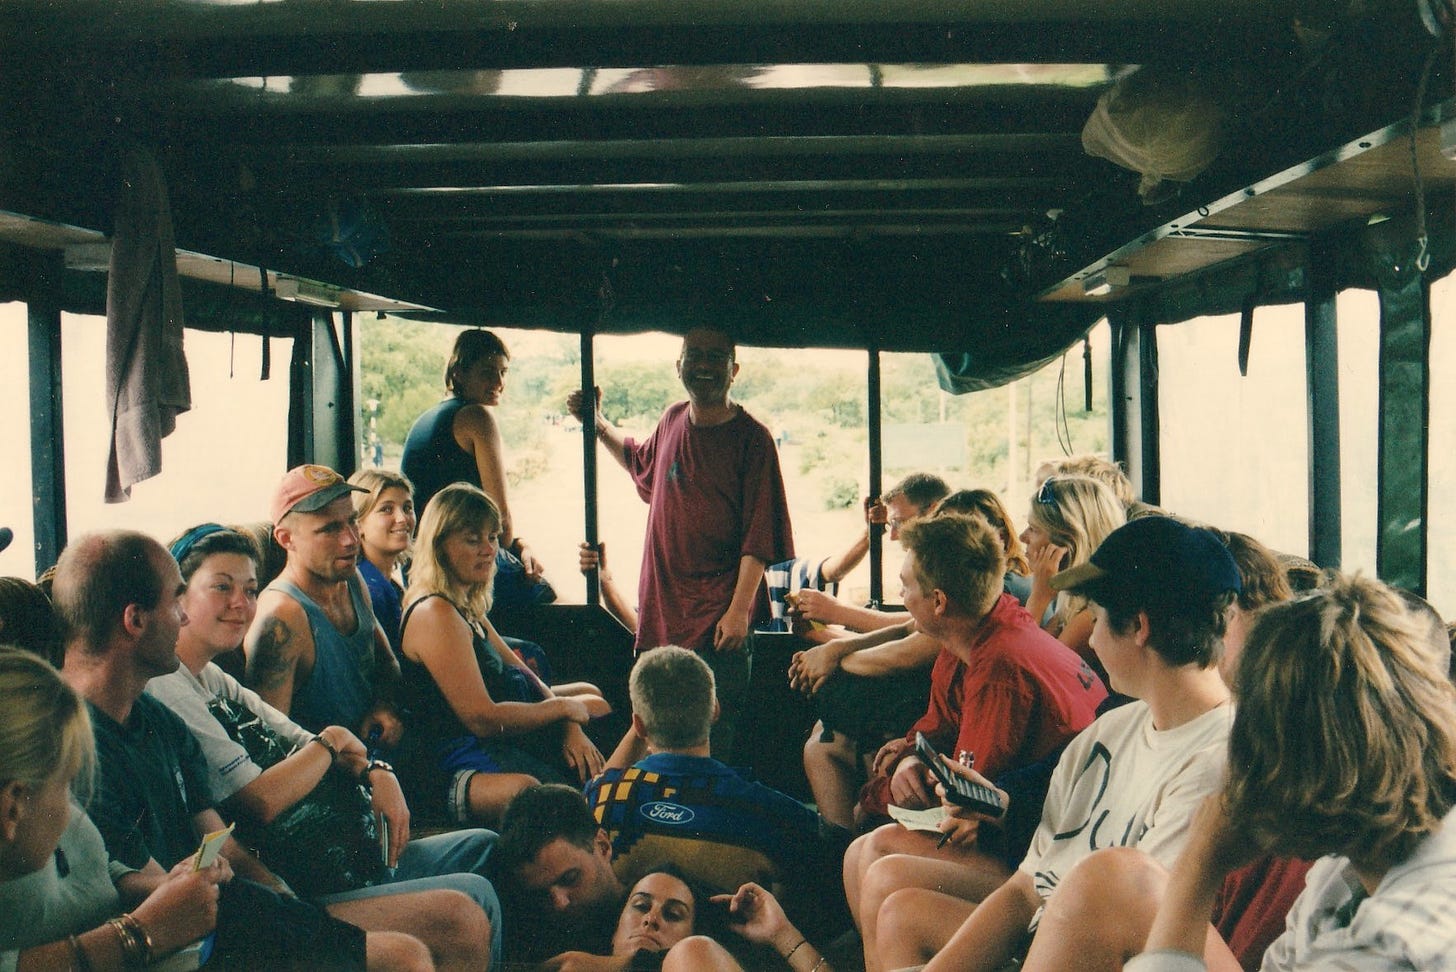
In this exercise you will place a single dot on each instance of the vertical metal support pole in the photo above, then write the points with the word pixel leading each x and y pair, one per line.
pixel 876 534
pixel 1118 330
pixel 301 393
pixel 1405 390
pixel 589 453
pixel 1150 460
pixel 1135 407
pixel 322 418
pixel 347 417
pixel 47 425
pixel 1322 386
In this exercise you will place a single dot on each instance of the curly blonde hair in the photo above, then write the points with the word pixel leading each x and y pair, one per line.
pixel 458 508
pixel 1345 737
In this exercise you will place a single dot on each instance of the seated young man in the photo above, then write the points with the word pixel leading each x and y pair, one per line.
pixel 1160 591
pixel 1344 745
pixel 661 782
pixel 1105 905
pixel 1002 689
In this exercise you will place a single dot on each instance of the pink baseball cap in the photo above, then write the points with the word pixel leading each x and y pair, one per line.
pixel 308 489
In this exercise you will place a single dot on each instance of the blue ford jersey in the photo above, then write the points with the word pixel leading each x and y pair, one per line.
pixel 699 797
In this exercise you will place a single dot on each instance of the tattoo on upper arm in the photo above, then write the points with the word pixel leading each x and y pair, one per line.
pixel 272 660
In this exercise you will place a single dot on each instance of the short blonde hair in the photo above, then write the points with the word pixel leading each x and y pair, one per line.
pixel 1344 741
pixel 458 508
pixel 960 556
pixel 672 693
pixel 44 726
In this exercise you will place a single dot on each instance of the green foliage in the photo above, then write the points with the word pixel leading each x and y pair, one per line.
pixel 840 493
pixel 402 366
pixel 635 393
pixel 819 406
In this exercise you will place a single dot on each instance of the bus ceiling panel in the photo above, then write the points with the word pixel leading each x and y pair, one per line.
pixel 805 115
pixel 1377 182
pixel 1297 198
pixel 779 231
pixel 768 147
pixel 1033 172
pixel 207 38
pixel 572 222
pixel 628 85
pixel 418 211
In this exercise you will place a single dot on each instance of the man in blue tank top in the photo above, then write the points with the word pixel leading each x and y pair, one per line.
pixel 315 651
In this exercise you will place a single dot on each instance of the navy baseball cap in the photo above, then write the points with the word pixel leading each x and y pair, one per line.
pixel 1152 558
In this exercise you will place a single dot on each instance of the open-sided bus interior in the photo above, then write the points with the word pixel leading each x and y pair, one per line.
pixel 903 175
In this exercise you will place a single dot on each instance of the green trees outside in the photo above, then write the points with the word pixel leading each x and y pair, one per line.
pixel 814 401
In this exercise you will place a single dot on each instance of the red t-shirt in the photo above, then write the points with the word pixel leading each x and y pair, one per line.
pixel 1253 903
pixel 714 495
pixel 1022 695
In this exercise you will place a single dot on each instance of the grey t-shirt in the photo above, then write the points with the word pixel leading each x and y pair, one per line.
pixel 71 894
pixel 229 767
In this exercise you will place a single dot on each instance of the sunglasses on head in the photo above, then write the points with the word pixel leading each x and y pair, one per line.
pixel 1045 496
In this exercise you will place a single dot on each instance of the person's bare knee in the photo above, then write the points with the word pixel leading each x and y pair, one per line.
pixel 1100 912
pixel 396 952
pixel 698 953
pixel 1116 882
pixel 914 924
pixel 491 793
pixel 459 931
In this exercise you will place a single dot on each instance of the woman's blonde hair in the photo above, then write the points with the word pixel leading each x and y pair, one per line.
pixel 458 508
pixel 1344 741
pixel 44 726
pixel 1076 512
pixel 377 481
pixel 989 505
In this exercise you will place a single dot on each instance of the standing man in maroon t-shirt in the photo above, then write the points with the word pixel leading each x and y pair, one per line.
pixel 717 516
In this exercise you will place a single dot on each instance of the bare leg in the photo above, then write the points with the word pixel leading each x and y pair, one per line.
pixel 895 839
pixel 699 953
pixel 915 923
pixel 395 952
pixel 450 925
pixel 832 768
pixel 1101 912
pixel 491 793
pixel 968 875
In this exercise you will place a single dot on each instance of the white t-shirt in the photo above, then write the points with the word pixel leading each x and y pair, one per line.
pixel 229 766
pixel 1121 783
pixel 71 894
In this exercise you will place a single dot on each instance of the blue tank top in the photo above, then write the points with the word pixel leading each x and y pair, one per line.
pixel 432 458
pixel 340 689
